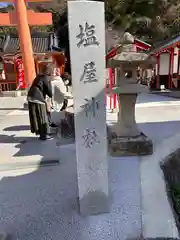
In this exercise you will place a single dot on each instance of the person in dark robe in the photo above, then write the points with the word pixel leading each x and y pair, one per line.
pixel 40 88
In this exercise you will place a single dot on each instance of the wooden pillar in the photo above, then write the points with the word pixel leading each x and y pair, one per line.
pixel 178 65
pixel 178 68
pixel 15 70
pixel 169 75
pixel 171 65
pixel 25 41
pixel 4 68
pixel 158 68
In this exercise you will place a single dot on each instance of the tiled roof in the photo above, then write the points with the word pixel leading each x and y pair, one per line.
pixel 12 45
pixel 167 43
pixel 41 42
pixel 2 42
pixel 172 42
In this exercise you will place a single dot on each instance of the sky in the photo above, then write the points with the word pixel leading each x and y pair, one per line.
pixel 3 4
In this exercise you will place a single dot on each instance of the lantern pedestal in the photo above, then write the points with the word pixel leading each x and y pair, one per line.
pixel 126 138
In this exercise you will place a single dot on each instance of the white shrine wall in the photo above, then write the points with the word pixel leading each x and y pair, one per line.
pixel 156 68
pixel 175 67
pixel 164 64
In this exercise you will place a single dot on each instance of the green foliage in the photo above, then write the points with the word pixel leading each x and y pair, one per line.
pixel 150 20
pixel 7 9
pixel 7 30
pixel 48 28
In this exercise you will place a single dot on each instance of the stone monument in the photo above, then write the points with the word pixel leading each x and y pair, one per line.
pixel 125 137
pixel 87 49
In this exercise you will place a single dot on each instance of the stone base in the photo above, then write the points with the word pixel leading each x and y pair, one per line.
pixel 53 131
pixel 25 105
pixel 66 129
pixel 94 203
pixel 130 146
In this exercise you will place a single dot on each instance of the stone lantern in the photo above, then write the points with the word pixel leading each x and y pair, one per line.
pixel 126 138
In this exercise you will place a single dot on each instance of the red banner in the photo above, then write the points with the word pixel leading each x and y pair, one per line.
pixel 20 74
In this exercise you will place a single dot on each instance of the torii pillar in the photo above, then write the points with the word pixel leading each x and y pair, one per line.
pixel 22 18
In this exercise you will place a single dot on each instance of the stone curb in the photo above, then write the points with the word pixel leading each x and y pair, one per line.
pixel 160 91
pixel 13 93
pixel 171 94
pixel 159 238
pixel 30 164
pixel 158 221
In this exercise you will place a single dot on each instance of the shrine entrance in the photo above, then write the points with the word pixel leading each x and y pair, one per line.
pixel 168 64
pixel 22 18
pixel 12 64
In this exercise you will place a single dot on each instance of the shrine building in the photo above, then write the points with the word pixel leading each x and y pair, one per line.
pixel 139 46
pixel 167 71
pixel 45 49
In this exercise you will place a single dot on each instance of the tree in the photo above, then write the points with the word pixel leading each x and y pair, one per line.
pixel 148 19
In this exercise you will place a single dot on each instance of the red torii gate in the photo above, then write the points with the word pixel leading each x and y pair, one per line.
pixel 22 18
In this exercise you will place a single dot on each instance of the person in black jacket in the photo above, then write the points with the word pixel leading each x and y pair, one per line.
pixel 41 87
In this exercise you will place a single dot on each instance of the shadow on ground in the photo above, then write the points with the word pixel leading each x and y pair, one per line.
pixel 12 109
pixel 150 98
pixel 17 128
pixel 29 146
pixel 15 139
pixel 34 205
pixel 158 131
pixel 43 204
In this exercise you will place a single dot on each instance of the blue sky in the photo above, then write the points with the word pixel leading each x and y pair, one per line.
pixel 3 4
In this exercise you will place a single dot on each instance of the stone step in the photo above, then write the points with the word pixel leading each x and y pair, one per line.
pixel 13 93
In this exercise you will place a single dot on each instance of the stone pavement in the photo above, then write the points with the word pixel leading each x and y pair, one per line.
pixel 42 203
pixel 168 93
pixel 157 116
pixel 3 236
pixel 18 147
pixel 9 104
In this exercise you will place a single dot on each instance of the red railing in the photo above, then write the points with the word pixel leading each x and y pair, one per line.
pixel 7 86
pixel 111 98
